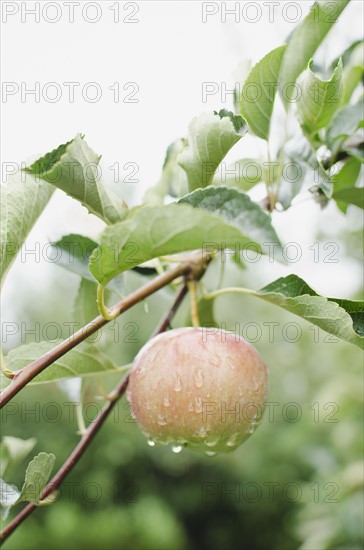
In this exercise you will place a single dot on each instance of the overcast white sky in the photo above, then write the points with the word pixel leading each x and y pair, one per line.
pixel 168 54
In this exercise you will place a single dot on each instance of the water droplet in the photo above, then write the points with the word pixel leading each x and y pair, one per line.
pixel 177 448
pixel 212 442
pixel 198 378
pixel 146 306
pixel 202 430
pixel 178 384
pixel 231 441
pixel 214 360
pixel 166 401
pixel 210 453
pixel 252 428
pixel 151 443
pixel 161 420
pixel 198 403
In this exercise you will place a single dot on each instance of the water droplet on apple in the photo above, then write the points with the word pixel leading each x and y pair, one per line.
pixel 202 430
pixel 231 441
pixel 166 401
pixel 214 360
pixel 177 448
pixel 161 420
pixel 210 453
pixel 212 442
pixel 178 384
pixel 151 443
pixel 198 403
pixel 198 378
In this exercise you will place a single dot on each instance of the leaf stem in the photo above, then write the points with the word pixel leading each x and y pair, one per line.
pixel 227 290
pixel 80 420
pixel 106 312
pixel 90 432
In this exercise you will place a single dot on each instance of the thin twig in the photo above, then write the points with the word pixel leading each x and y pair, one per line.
pixel 25 375
pixel 165 323
pixel 91 431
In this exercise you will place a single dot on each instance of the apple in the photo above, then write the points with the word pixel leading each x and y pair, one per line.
pixel 200 388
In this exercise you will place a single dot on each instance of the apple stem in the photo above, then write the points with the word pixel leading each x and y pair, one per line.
pixel 192 287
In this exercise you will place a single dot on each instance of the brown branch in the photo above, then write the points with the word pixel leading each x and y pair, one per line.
pixel 194 267
pixel 165 323
pixel 91 431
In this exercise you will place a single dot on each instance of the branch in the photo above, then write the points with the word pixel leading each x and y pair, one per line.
pixel 91 431
pixel 193 267
pixel 166 321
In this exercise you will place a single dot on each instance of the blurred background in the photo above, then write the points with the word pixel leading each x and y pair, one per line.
pixel 297 483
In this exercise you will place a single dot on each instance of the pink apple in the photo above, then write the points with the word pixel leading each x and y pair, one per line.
pixel 200 388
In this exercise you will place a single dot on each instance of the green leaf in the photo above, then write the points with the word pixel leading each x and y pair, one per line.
pixel 85 305
pixel 351 195
pixel 312 176
pixel 74 168
pixel 73 253
pixel 151 232
pixel 12 451
pixel 305 40
pixel 347 176
pixel 352 76
pixel 355 310
pixel 36 477
pixel 353 54
pixel 259 91
pixel 210 138
pixel 344 124
pixel 300 156
pixel 345 179
pixel 173 180
pixel 354 146
pixel 83 360
pixel 320 99
pixel 9 496
pixel 342 318
pixel 353 68
pixel 324 180
pixel 237 209
pixel 23 199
